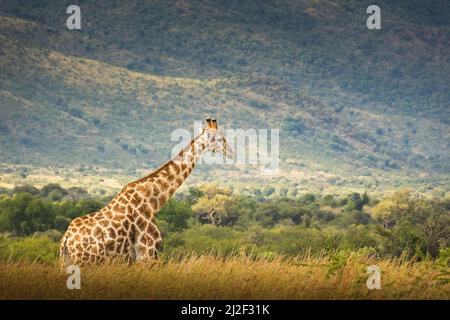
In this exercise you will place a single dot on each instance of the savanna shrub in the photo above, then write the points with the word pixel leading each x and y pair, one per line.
pixel 32 249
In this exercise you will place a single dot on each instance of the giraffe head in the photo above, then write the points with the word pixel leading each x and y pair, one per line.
pixel 215 140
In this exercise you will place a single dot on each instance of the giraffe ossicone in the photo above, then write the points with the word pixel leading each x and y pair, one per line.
pixel 125 228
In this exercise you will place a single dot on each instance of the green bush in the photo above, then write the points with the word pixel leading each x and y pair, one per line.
pixel 32 249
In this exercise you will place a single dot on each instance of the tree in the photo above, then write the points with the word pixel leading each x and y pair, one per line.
pixel 55 195
pixel 268 190
pixel 308 198
pixel 356 201
pixel 61 223
pixel 435 228
pixel 268 214
pixel 45 191
pixel 12 213
pixel 329 200
pixel 176 213
pixel 39 215
pixel 26 189
pixel 411 222
pixel 193 195
pixel 388 211
pixel 215 208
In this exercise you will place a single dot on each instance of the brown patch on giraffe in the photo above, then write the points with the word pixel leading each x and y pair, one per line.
pixel 92 240
pixel 174 168
pixel 71 242
pixel 147 240
pixel 165 173
pixel 132 186
pixel 132 218
pixel 97 232
pixel 126 224
pixel 141 224
pixel 148 192
pixel 118 208
pixel 127 195
pixel 146 210
pixel 122 232
pixel 124 201
pixel 154 203
pixel 153 231
pixel 162 199
pixel 136 200
pixel 179 181
pixel 145 191
pixel 171 177
pixel 116 224
pixel 155 191
pixel 104 222
pixel 130 209
pixel 136 214
pixel 109 245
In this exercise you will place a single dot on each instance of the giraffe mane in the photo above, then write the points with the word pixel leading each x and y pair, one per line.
pixel 161 167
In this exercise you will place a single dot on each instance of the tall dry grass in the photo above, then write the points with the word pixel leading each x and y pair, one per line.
pixel 237 277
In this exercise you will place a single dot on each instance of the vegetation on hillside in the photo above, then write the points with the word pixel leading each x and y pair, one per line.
pixel 347 99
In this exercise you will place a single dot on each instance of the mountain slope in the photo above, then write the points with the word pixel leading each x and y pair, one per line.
pixel 346 99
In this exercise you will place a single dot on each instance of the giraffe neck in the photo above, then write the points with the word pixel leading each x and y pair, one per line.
pixel 162 183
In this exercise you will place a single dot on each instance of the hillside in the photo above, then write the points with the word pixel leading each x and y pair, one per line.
pixel 348 100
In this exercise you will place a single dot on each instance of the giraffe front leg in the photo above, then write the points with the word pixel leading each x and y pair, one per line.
pixel 145 249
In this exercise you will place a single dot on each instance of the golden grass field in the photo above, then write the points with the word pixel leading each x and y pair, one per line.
pixel 237 277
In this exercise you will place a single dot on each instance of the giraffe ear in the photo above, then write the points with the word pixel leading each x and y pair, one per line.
pixel 214 123
pixel 208 122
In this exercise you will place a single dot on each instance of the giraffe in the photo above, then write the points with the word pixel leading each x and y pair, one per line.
pixel 125 228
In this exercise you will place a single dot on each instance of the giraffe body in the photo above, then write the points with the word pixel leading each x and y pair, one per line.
pixel 125 229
